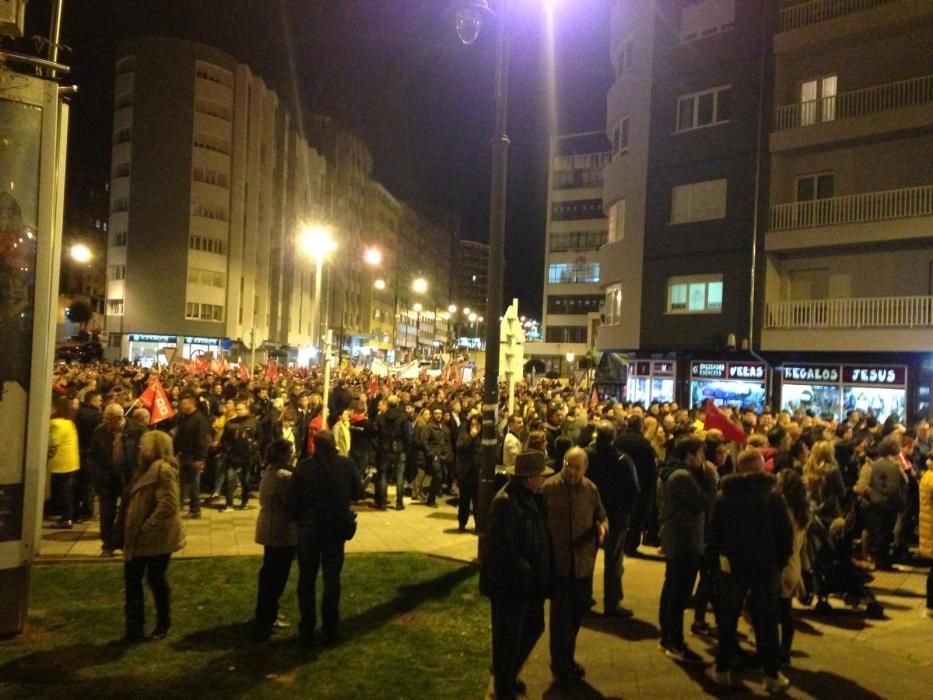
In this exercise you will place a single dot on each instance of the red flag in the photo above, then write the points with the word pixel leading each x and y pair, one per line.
pixel 373 387
pixel 390 383
pixel 272 371
pixel 214 367
pixel 156 400
pixel 223 365
pixel 594 396
pixel 244 373
pixel 717 419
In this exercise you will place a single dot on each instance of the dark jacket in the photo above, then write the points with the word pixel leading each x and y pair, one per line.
pixel 684 498
pixel 392 431
pixel 518 562
pixel 86 421
pixel 750 525
pixel 614 475
pixel 887 485
pixel 362 436
pixel 320 492
pixel 636 446
pixel 469 451
pixel 240 440
pixel 192 437
pixel 109 477
pixel 434 441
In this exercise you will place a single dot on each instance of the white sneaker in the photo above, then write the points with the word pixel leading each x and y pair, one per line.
pixel 718 677
pixel 776 684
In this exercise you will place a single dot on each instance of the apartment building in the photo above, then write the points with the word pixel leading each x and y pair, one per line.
pixel 684 116
pixel 576 229
pixel 210 182
pixel 847 259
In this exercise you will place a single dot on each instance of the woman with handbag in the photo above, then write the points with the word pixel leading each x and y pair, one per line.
pixel 318 498
pixel 152 532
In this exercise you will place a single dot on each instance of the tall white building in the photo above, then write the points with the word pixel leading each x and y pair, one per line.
pixel 210 184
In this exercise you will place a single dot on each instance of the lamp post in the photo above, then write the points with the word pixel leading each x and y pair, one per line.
pixel 469 17
pixel 419 286
pixel 372 256
pixel 317 242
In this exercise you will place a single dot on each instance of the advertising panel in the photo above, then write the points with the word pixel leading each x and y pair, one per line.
pixel 738 384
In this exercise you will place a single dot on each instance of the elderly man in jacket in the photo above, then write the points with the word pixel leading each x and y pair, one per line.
pixel 112 458
pixel 516 571
pixel 577 525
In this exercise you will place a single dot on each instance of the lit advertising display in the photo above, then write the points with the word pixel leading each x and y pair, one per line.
pixel 729 383
pixel 836 389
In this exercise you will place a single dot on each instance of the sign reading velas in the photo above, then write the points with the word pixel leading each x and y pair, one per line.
pixel 811 373
pixel 729 370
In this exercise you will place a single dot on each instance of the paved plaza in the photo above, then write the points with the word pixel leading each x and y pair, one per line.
pixel 842 655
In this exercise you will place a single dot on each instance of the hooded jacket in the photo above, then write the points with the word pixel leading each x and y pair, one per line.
pixel 750 525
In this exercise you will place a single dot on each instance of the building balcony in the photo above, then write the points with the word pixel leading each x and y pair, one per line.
pixel 805 25
pixel 847 324
pixel 870 217
pixel 880 109
pixel 806 13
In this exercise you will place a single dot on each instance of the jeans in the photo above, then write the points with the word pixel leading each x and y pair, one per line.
pixel 786 616
pixel 83 492
pixel 319 548
pixel 516 627
pixel 880 521
pixel 276 566
pixel 679 576
pixel 705 593
pixel 220 475
pixel 614 566
pixel 191 487
pixel 469 492
pixel 436 471
pixel 763 589
pixel 235 473
pixel 391 464
pixel 154 569
pixel 63 489
pixel 640 517
pixel 108 496
pixel 570 599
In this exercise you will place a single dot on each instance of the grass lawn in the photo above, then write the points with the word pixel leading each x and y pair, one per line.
pixel 412 626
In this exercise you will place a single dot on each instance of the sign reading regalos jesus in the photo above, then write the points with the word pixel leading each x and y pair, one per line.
pixel 811 374
pixel 874 376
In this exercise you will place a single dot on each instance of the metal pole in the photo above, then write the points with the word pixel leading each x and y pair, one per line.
pixel 500 165
pixel 252 350
pixel 55 34
pixel 316 307
pixel 326 397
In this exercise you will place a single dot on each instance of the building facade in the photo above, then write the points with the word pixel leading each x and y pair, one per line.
pixel 210 183
pixel 576 229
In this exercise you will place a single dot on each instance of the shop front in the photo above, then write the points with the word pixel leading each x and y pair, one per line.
pixel 197 346
pixel 149 350
pixel 651 381
pixel 837 389
pixel 740 384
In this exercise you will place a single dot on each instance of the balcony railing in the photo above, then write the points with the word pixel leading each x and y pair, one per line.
pixel 806 13
pixel 857 103
pixel 877 312
pixel 854 209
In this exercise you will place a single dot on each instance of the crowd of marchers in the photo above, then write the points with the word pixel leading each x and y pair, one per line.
pixel 749 510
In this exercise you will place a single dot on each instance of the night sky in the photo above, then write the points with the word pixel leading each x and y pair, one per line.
pixel 393 71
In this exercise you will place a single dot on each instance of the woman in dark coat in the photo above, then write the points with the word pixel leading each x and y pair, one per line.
pixel 469 458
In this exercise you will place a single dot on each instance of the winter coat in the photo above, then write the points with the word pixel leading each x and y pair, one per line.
pixel 573 512
pixel 86 421
pixel 105 473
pixel 469 452
pixel 684 498
pixel 192 437
pixel 63 447
pixel 152 513
pixel 887 485
pixel 926 514
pixel 518 563
pixel 393 434
pixel 342 438
pixel 362 436
pixel 750 526
pixel 274 525
pixel 614 476
pixel 320 491
pixel 240 440
pixel 637 446
pixel 792 574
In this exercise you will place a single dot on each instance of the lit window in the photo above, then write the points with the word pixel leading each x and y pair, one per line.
pixel 616 222
pixel 691 295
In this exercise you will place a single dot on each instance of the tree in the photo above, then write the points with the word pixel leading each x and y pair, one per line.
pixel 80 312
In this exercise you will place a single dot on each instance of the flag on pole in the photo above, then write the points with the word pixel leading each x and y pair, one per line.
pixel 594 396
pixel 272 371
pixel 156 400
pixel 244 373
pixel 373 386
pixel 223 368
pixel 716 419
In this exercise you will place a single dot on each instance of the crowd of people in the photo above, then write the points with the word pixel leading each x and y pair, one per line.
pixel 762 508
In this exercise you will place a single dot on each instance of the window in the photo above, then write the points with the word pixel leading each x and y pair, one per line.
pixel 702 19
pixel 213 74
pixel 118 240
pixel 116 272
pixel 694 295
pixel 811 187
pixel 206 278
pixel 706 108
pixel 212 143
pixel 572 178
pixel 577 240
pixel 207 245
pixel 617 221
pixel 698 201
pixel 120 204
pixel 625 57
pixel 127 64
pixel 208 211
pixel 211 108
pixel 565 334
pixel 123 135
pixel 211 177
pixel 573 304
pixel 613 304
pixel 580 272
pixel 121 170
pixel 818 100
pixel 204 312
pixel 620 137
pixel 114 307
pixel 577 209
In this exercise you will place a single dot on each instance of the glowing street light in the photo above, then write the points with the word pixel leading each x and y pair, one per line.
pixel 452 309
pixel 570 357
pixel 418 307
pixel 380 284
pixel 466 311
pixel 372 257
pixel 419 285
pixel 473 318
pixel 80 253
pixel 318 242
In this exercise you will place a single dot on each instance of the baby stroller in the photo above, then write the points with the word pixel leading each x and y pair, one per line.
pixel 832 571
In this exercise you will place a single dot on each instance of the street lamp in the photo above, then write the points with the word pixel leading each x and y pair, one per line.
pixel 319 243
pixel 469 17
pixel 380 284
pixel 80 253
pixel 372 257
pixel 452 309
pixel 419 285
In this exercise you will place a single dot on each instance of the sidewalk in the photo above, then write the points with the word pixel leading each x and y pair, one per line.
pixel 843 655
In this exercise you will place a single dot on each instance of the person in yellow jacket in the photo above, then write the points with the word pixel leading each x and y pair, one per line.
pixel 926 530
pixel 64 460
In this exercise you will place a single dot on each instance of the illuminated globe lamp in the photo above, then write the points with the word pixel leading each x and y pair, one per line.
pixel 468 17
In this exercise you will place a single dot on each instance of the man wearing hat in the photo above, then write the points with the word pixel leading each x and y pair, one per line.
pixel 515 574
pixel 577 526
